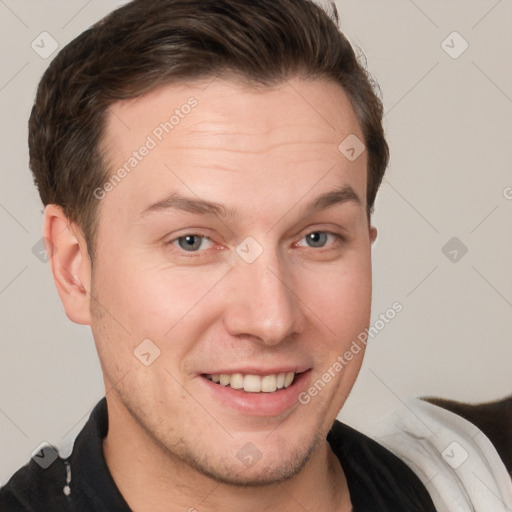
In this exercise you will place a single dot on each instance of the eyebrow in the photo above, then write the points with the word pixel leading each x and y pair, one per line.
pixel 198 206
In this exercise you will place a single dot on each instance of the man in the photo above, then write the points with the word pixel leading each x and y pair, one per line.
pixel 209 170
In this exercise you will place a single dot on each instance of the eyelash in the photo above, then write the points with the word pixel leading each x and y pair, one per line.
pixel 340 239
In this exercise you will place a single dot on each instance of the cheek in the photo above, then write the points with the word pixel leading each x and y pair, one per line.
pixel 157 301
pixel 162 303
pixel 341 295
pixel 142 297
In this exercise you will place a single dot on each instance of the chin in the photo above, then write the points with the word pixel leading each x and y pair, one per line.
pixel 240 476
pixel 247 470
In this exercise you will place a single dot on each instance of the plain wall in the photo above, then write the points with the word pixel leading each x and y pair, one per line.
pixel 449 126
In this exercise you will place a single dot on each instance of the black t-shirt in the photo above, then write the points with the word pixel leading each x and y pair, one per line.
pixel 378 481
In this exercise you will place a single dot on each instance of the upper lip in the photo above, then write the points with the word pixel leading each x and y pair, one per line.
pixel 253 370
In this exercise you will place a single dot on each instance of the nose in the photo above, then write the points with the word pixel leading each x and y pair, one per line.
pixel 263 301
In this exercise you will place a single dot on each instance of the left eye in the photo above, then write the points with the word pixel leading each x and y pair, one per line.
pixel 319 238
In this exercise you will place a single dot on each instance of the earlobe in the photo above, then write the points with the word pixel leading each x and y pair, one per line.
pixel 69 263
pixel 373 234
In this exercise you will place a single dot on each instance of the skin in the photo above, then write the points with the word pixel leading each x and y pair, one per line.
pixel 267 153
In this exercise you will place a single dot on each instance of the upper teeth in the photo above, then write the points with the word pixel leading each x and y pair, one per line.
pixel 254 383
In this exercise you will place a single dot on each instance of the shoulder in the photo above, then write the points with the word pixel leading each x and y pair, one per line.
pixel 34 488
pixel 454 459
pixel 376 477
pixel 494 419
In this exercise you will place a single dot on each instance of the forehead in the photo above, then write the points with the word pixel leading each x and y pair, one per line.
pixel 321 104
pixel 223 139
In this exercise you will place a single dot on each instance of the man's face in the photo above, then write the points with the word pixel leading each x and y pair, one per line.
pixel 275 288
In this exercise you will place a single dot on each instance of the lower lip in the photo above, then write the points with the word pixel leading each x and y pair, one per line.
pixel 259 404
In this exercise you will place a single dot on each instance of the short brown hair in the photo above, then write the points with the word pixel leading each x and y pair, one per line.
pixel 148 43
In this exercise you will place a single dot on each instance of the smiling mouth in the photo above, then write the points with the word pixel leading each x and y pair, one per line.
pixel 254 383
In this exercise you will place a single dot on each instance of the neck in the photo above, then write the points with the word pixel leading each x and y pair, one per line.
pixel 151 479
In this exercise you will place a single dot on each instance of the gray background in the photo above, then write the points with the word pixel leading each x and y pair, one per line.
pixel 448 122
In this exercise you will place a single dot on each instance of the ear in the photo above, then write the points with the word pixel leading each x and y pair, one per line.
pixel 70 264
pixel 373 234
